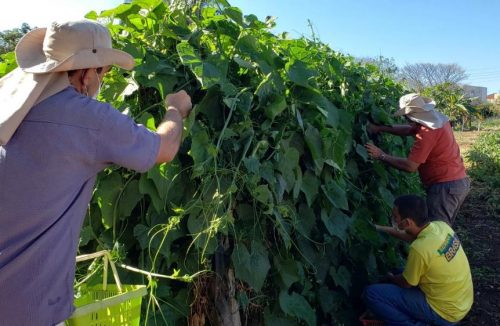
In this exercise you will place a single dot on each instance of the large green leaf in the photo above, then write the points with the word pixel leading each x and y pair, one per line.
pixel 342 277
pixel 386 196
pixel 7 63
pixel 141 232
pixel 299 73
pixel 337 223
pixel 164 176
pixel 108 189
pixel 336 144
pixel 321 103
pixel 147 187
pixel 330 301
pixel 313 141
pixel 235 14
pixel 263 194
pixel 306 220
pixel 201 151
pixel 310 187
pixel 289 160
pixel 210 106
pixel 283 227
pixel 335 194
pixel 277 106
pixel 287 165
pixel 362 152
pixel 86 235
pixel 289 271
pixel 208 73
pixel 297 306
pixel 251 267
pixel 271 319
pixel 129 198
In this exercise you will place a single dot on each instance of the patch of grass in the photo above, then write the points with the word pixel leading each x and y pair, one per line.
pixel 478 223
pixel 484 160
pixel 491 124
pixel 466 139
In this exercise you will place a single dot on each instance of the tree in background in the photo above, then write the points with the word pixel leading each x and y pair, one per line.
pixel 8 42
pixel 419 76
pixel 9 38
pixel 451 101
pixel 387 66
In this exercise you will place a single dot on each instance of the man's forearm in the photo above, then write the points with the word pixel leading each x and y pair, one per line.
pixel 402 235
pixel 170 131
pixel 399 163
pixel 400 130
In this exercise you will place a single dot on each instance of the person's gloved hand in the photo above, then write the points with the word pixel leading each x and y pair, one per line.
pixel 180 101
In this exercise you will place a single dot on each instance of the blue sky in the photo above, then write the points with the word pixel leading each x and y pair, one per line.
pixel 466 32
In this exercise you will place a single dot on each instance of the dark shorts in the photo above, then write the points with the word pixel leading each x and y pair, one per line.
pixel 445 198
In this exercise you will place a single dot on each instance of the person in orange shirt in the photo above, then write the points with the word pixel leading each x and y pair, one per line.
pixel 435 155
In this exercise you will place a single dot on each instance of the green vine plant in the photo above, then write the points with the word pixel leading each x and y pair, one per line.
pixel 267 209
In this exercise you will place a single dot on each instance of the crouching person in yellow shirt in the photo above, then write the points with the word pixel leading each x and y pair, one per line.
pixel 436 285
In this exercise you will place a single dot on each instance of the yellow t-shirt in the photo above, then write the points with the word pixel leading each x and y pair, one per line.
pixel 438 265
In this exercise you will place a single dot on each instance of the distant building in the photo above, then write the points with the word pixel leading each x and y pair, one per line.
pixel 493 98
pixel 478 92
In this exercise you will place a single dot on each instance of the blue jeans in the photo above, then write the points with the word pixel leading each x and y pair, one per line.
pixel 397 306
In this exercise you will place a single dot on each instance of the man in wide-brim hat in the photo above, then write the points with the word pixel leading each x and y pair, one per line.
pixel 54 139
pixel 435 155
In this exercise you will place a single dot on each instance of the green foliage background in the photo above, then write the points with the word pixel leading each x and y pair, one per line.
pixel 272 180
pixel 484 156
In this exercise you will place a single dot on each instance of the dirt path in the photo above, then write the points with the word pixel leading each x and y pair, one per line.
pixel 479 231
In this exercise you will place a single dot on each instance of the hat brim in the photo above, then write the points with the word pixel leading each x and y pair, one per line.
pixel 31 58
pixel 431 106
pixel 431 119
pixel 400 112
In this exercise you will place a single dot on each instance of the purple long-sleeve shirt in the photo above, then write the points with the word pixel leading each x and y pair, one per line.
pixel 47 175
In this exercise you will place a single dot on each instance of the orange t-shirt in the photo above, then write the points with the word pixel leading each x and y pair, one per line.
pixel 438 154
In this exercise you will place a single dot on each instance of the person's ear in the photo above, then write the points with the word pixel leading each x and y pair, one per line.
pixel 85 81
pixel 405 223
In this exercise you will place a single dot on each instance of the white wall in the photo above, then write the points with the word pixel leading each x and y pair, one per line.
pixel 476 91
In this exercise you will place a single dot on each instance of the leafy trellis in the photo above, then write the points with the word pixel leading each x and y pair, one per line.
pixel 272 195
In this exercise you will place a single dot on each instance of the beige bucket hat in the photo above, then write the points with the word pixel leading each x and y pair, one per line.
pixel 44 56
pixel 421 110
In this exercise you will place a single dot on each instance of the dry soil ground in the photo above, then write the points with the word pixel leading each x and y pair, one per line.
pixel 479 231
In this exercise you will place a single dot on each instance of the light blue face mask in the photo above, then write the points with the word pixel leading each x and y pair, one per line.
pixel 397 226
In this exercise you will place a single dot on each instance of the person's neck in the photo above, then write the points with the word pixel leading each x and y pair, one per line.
pixel 419 229
pixel 75 82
